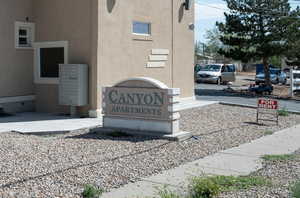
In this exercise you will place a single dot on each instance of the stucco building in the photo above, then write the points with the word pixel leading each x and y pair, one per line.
pixel 117 39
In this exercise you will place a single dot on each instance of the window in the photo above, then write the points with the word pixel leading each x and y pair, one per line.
pixel 228 68
pixel 24 35
pixel 232 68
pixel 141 28
pixel 48 56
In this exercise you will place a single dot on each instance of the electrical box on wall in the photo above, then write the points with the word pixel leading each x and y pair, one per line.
pixel 73 84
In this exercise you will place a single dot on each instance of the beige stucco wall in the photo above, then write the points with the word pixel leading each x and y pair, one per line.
pixel 72 21
pixel 16 74
pixel 99 33
pixel 121 56
pixel 183 64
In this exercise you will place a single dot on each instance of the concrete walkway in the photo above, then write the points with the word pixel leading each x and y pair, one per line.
pixel 241 160
pixel 44 123
pixel 192 103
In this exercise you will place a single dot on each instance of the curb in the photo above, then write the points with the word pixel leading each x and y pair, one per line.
pixel 45 133
pixel 252 106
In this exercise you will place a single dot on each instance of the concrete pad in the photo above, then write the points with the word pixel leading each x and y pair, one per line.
pixel 241 160
pixel 44 123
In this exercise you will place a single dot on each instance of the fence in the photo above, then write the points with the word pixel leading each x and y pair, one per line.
pixel 295 81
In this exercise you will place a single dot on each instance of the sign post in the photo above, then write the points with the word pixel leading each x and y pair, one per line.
pixel 267 107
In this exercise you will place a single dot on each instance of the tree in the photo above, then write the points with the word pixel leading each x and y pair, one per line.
pixel 275 61
pixel 198 48
pixel 256 29
pixel 214 43
pixel 293 52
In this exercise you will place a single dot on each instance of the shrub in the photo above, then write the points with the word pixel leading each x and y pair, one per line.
pixel 204 188
pixel 211 186
pixel 295 190
pixel 91 191
pixel 229 183
pixel 268 132
pixel 285 157
pixel 283 112
pixel 165 193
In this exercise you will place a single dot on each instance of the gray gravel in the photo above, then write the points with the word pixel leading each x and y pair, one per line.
pixel 59 166
pixel 282 175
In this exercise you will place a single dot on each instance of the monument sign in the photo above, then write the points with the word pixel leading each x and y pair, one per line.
pixel 143 106
pixel 137 103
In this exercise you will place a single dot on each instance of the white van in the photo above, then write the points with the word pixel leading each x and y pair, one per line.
pixel 217 73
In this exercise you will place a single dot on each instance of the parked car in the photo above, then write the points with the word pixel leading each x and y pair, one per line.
pixel 276 76
pixel 196 70
pixel 217 73
pixel 287 71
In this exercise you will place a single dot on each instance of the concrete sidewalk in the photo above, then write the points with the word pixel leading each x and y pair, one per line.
pixel 46 123
pixel 43 123
pixel 240 160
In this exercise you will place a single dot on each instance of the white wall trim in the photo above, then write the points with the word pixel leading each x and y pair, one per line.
pixel 160 52
pixel 17 99
pixel 156 64
pixel 158 57
pixel 37 77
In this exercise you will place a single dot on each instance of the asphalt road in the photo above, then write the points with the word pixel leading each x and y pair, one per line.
pixel 212 92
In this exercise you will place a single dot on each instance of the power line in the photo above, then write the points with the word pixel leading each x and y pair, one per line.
pixel 261 10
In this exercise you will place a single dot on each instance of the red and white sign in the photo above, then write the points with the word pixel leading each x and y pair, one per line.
pixel 268 104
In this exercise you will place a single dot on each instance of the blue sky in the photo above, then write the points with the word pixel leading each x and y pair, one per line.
pixel 206 16
pixel 208 12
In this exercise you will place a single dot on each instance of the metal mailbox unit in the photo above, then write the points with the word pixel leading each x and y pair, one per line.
pixel 73 85
pixel 295 81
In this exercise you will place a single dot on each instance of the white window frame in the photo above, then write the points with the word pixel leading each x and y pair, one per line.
pixel 31 34
pixel 37 67
pixel 141 34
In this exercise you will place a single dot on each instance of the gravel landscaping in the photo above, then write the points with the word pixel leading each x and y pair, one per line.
pixel 59 166
pixel 282 174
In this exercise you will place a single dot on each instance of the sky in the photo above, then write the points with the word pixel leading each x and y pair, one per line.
pixel 208 12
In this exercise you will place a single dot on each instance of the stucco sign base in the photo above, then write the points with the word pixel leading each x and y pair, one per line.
pixel 179 136
pixel 142 125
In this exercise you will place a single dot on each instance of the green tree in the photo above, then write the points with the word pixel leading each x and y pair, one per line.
pixel 198 48
pixel 275 61
pixel 256 29
pixel 213 44
pixel 293 51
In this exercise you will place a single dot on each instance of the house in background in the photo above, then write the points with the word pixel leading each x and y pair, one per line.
pixel 117 39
